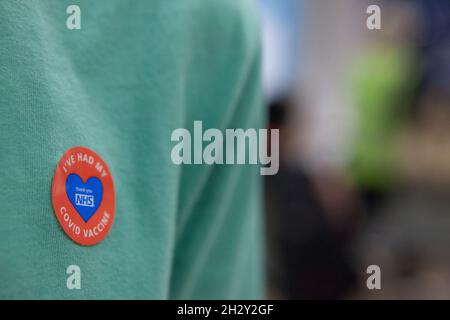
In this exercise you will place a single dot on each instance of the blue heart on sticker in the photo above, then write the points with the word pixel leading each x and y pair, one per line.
pixel 85 197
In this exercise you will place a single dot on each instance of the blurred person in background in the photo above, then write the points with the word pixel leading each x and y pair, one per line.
pixel 383 79
pixel 307 239
pixel 306 255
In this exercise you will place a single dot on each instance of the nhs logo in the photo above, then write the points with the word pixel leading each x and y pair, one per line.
pixel 86 197
pixel 84 200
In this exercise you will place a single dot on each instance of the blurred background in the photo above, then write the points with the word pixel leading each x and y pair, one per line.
pixel 364 119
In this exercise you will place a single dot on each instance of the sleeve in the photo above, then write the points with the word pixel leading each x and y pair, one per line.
pixel 218 251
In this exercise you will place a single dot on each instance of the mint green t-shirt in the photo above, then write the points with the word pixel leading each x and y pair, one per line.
pixel 120 85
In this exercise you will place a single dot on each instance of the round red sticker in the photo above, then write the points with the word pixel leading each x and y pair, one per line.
pixel 83 196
